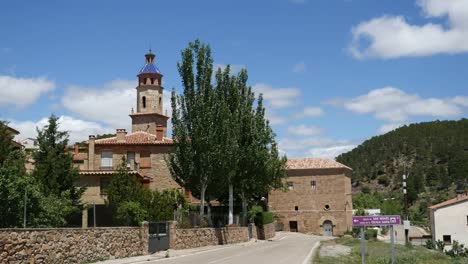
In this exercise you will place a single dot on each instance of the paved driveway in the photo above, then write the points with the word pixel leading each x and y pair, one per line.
pixel 400 234
pixel 286 248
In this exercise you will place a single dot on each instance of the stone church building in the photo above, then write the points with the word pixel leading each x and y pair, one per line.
pixel 318 199
pixel 144 147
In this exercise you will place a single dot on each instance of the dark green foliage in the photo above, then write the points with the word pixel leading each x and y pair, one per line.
pixel 54 164
pixel 365 189
pixel 429 244
pixel 13 181
pixel 434 153
pixel 370 234
pixel 222 141
pixel 457 250
pixel 49 202
pixel 384 180
pixel 267 218
pixel 132 203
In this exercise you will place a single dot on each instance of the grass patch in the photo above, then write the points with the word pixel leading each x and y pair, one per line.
pixel 378 252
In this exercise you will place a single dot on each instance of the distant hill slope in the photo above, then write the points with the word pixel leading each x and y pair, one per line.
pixel 435 154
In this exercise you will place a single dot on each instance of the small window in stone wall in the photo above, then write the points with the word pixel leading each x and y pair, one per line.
pixel 467 219
pixel 313 185
pixel 327 207
pixel 296 208
pixel 447 239
pixel 290 185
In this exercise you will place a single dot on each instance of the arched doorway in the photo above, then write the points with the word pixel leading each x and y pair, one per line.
pixel 327 228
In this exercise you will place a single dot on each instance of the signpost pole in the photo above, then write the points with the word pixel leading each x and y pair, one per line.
pixel 363 246
pixel 392 241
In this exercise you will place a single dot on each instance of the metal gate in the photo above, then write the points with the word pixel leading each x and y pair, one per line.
pixel 158 236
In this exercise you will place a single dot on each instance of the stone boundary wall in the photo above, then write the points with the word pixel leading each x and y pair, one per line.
pixel 267 232
pixel 201 237
pixel 71 245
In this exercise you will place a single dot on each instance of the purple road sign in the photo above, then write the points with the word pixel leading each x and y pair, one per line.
pixel 378 220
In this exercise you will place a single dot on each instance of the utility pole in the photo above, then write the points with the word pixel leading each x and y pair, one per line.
pixel 405 194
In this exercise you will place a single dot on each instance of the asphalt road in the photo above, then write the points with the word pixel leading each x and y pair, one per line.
pixel 288 248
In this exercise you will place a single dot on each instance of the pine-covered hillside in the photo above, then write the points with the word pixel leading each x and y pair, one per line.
pixel 434 153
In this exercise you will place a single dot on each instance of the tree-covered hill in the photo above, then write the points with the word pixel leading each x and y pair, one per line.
pixel 435 155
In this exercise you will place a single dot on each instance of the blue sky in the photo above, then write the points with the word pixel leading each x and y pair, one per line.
pixel 333 73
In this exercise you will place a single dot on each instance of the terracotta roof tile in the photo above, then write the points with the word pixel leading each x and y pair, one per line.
pixel 449 202
pixel 136 138
pixel 111 172
pixel 314 163
pixel 80 156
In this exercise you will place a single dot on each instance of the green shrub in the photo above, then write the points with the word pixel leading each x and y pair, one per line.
pixel 254 212
pixel 383 180
pixel 259 217
pixel 429 244
pixel 365 189
pixel 267 218
pixel 370 234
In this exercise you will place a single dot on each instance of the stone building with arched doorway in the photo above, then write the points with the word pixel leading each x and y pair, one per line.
pixel 318 199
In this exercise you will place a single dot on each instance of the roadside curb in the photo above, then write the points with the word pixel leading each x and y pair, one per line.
pixel 311 254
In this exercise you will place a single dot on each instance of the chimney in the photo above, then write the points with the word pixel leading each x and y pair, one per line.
pixel 91 152
pixel 77 148
pixel 159 133
pixel 121 134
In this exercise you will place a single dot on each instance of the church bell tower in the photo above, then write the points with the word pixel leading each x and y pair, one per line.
pixel 149 115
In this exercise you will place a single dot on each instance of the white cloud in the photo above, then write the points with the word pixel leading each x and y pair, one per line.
pixel 311 112
pixel 299 67
pixel 110 104
pixel 394 105
pixel 461 100
pixel 79 130
pixel 23 91
pixel 330 152
pixel 278 97
pixel 277 120
pixel 304 130
pixel 393 37
pixel 389 127
pixel 314 147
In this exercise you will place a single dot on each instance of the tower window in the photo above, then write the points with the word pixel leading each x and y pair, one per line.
pixel 313 185
pixel 152 80
pixel 160 101
pixel 144 101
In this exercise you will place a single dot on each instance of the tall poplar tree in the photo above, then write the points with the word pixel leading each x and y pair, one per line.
pixel 193 117
pixel 221 140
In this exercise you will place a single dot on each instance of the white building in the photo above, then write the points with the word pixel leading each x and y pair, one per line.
pixel 372 212
pixel 449 220
pixel 29 144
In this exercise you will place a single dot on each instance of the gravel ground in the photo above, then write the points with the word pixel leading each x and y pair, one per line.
pixel 334 250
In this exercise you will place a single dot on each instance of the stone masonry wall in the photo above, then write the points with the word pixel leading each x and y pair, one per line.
pixel 71 245
pixel 267 232
pixel 200 237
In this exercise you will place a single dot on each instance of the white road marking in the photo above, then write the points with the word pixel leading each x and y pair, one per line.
pixel 309 256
